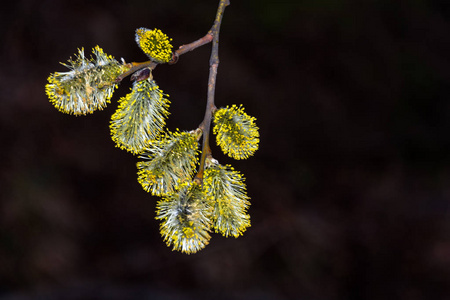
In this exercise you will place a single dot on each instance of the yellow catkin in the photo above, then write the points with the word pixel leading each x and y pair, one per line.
pixel 236 132
pixel 140 117
pixel 168 162
pixel 186 218
pixel 155 44
pixel 226 189
pixel 87 86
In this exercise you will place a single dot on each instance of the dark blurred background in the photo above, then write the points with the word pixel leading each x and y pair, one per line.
pixel 350 188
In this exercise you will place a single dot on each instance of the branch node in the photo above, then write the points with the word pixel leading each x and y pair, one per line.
pixel 175 57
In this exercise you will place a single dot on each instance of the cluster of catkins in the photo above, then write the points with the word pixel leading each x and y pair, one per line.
pixel 189 209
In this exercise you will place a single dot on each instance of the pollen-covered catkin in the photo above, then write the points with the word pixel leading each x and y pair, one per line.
pixel 140 117
pixel 167 162
pixel 186 218
pixel 88 86
pixel 226 190
pixel 236 132
pixel 155 44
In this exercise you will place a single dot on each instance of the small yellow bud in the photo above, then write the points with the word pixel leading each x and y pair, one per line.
pixel 155 44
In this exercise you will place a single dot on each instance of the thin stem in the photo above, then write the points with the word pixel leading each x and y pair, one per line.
pixel 191 46
pixel 210 106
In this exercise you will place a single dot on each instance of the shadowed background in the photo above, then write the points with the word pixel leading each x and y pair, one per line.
pixel 350 189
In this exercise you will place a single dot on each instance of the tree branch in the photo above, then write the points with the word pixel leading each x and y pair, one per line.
pixel 189 47
pixel 211 36
pixel 210 106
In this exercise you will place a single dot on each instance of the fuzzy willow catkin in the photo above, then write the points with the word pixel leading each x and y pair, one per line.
pixel 236 132
pixel 155 44
pixel 87 86
pixel 226 190
pixel 168 162
pixel 140 117
pixel 186 218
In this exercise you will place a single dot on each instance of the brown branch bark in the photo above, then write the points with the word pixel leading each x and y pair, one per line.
pixel 210 105
pixel 189 47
